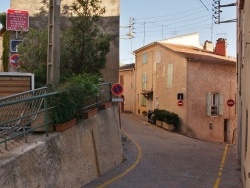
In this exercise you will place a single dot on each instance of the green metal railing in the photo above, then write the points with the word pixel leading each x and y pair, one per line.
pixel 19 111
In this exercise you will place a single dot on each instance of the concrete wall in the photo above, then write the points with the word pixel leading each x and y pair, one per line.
pixel 69 159
pixel 243 102
pixel 109 22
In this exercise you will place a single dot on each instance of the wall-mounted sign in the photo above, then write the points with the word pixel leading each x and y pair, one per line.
pixel 180 103
pixel 230 102
pixel 14 45
pixel 17 20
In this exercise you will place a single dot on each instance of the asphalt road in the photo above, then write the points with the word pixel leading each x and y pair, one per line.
pixel 156 158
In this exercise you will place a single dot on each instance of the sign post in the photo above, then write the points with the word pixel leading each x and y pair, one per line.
pixel 117 90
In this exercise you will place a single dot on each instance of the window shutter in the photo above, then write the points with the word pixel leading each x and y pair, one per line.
pixel 221 104
pixel 170 75
pixel 144 81
pixel 209 103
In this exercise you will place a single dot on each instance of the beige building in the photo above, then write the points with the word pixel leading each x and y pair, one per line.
pixel 127 79
pixel 243 102
pixel 192 82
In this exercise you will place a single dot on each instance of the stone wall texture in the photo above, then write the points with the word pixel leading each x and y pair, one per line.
pixel 70 159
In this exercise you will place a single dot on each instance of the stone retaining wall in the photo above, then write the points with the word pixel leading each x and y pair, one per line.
pixel 69 159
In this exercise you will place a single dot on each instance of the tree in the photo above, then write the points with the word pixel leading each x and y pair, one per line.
pixel 89 45
pixel 83 45
pixel 34 54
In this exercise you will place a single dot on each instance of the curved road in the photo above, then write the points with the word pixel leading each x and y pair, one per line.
pixel 156 158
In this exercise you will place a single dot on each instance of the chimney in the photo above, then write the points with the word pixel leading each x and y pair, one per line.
pixel 221 47
pixel 208 46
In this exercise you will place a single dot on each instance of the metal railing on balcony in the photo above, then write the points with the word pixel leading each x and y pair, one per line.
pixel 18 112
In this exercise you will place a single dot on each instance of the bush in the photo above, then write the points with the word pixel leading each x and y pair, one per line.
pixel 70 97
pixel 166 116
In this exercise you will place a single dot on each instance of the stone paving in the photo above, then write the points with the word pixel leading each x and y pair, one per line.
pixel 169 160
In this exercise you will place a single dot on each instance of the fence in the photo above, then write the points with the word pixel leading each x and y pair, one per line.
pixel 19 111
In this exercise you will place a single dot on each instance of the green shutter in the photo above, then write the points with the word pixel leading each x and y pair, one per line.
pixel 209 101
pixel 221 104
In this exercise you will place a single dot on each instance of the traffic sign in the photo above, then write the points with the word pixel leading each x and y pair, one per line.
pixel 14 45
pixel 14 61
pixel 117 89
pixel 180 103
pixel 230 102
pixel 17 20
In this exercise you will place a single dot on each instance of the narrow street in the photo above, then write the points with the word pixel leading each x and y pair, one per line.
pixel 157 158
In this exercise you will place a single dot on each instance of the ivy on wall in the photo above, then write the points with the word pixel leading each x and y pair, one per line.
pixel 6 42
pixel 6 49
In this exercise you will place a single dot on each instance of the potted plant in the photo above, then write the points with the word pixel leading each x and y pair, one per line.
pixel 70 100
pixel 167 120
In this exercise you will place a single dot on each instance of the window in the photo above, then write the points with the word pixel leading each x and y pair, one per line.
pixel 144 81
pixel 144 57
pixel 214 104
pixel 158 56
pixel 170 75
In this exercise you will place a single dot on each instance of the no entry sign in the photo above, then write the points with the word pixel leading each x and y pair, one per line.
pixel 180 103
pixel 17 20
pixel 14 61
pixel 230 102
pixel 117 89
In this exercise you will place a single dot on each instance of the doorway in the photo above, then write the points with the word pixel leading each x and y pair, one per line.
pixel 226 130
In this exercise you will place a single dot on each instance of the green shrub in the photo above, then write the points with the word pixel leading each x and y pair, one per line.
pixel 166 116
pixel 71 95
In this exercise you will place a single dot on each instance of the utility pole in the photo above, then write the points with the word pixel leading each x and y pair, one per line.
pixel 53 49
pixel 217 10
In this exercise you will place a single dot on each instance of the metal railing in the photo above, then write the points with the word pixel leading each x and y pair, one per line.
pixel 19 111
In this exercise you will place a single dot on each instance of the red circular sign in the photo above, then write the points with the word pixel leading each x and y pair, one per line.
pixel 230 102
pixel 180 103
pixel 14 61
pixel 117 89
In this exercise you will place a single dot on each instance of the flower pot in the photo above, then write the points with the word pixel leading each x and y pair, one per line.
pixel 159 123
pixel 64 126
pixel 167 126
pixel 104 106
pixel 89 113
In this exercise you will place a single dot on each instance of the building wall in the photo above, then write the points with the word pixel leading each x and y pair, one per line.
pixel 205 78
pixel 163 97
pixel 167 96
pixel 243 102
pixel 128 89
pixel 149 69
pixel 69 159
pixel 109 23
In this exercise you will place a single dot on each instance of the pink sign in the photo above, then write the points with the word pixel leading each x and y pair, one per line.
pixel 17 20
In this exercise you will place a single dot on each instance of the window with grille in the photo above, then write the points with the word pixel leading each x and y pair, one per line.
pixel 215 104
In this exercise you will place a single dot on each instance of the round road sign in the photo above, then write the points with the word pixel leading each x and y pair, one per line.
pixel 14 61
pixel 180 103
pixel 117 89
pixel 230 102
